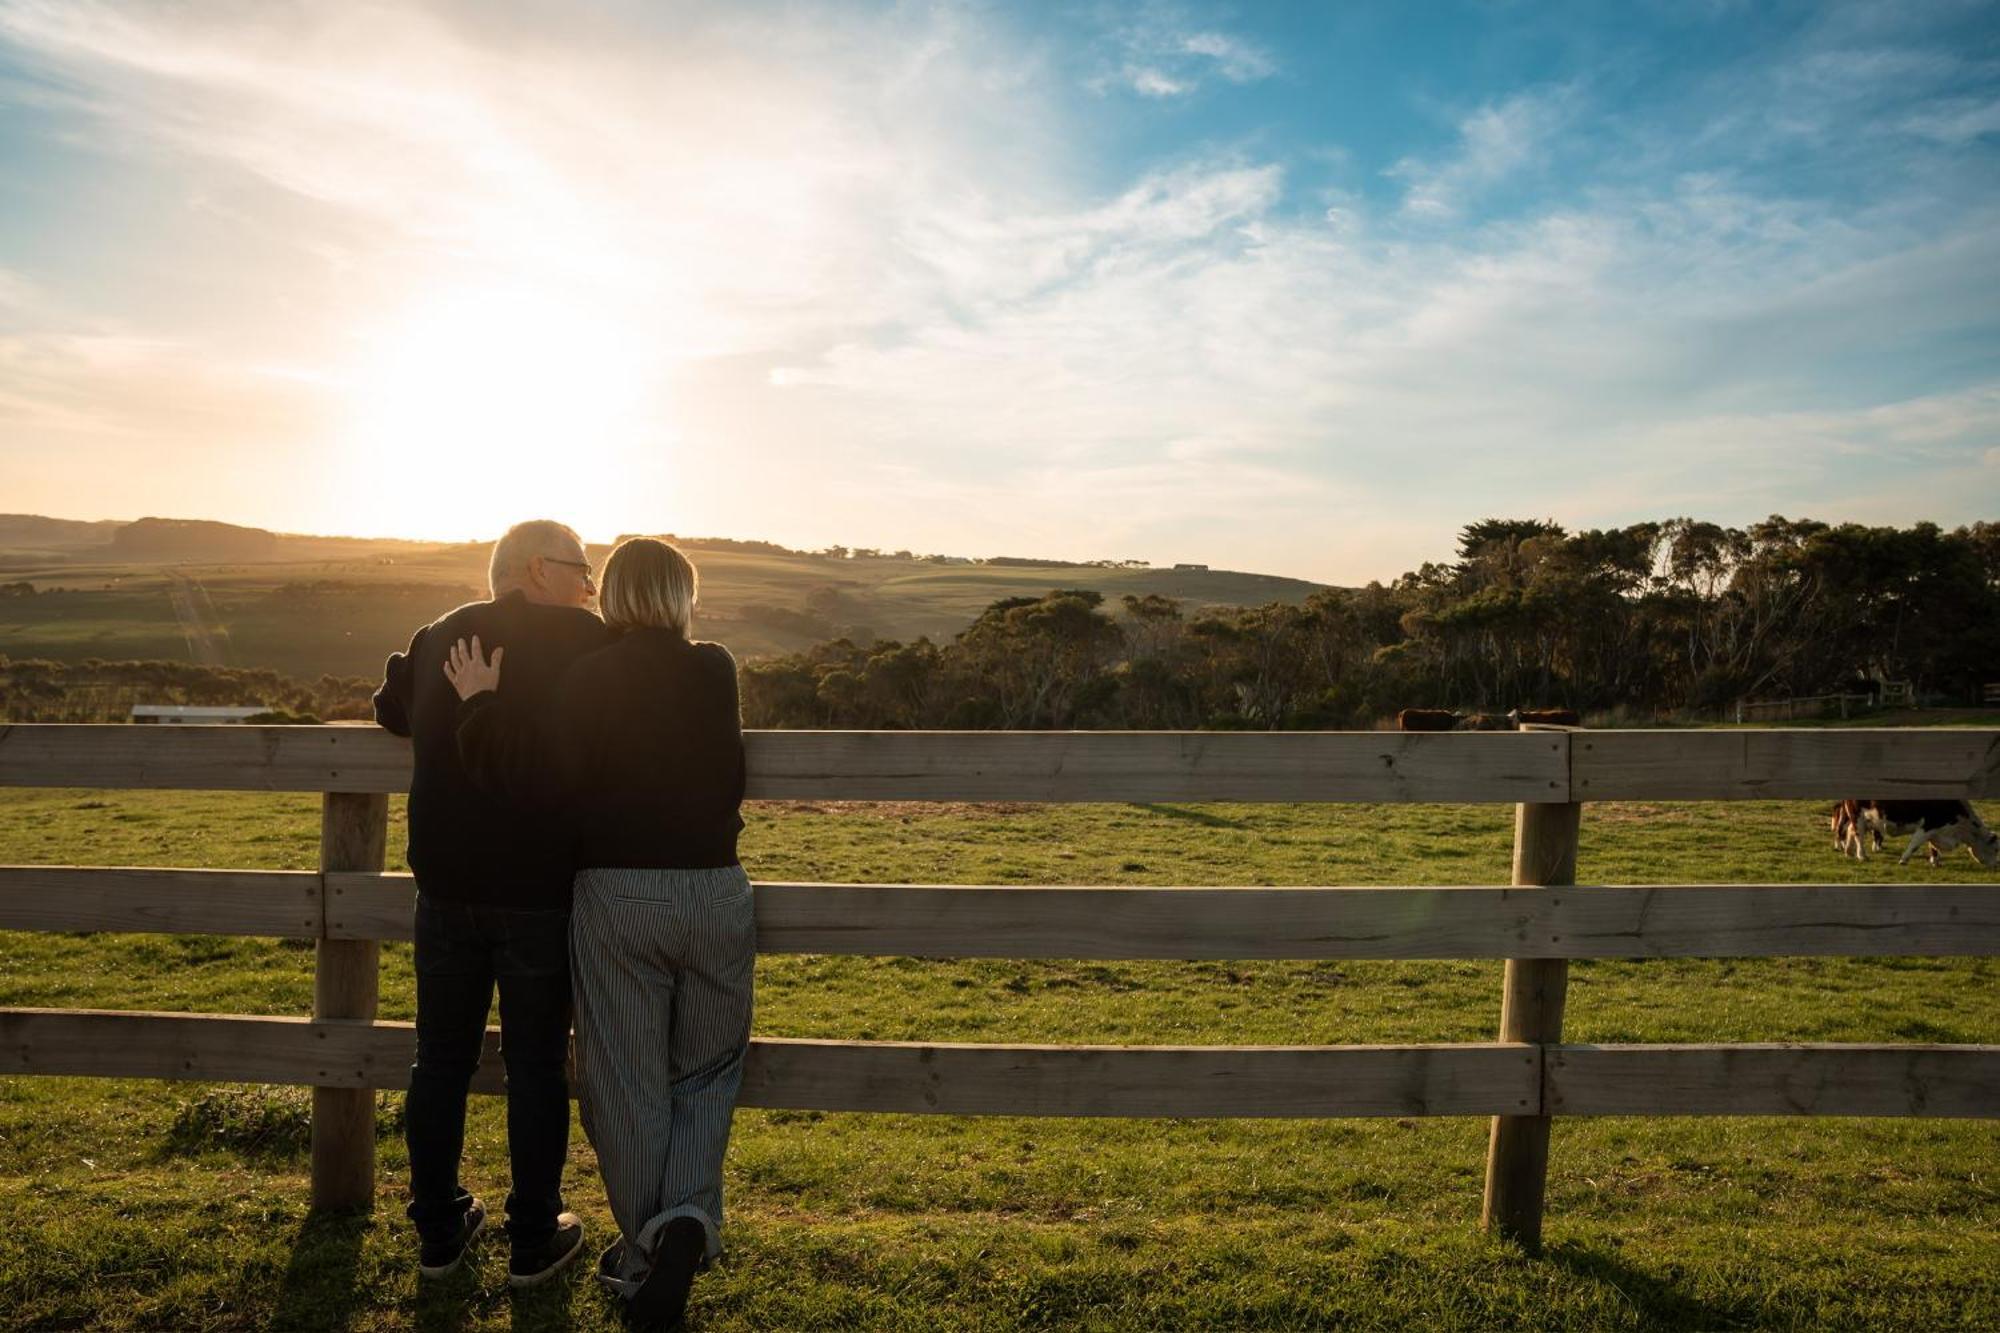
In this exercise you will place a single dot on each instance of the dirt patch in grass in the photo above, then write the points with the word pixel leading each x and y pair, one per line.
pixel 903 810
pixel 1626 812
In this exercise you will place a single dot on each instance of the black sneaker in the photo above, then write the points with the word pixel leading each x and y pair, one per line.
pixel 441 1258
pixel 536 1265
pixel 663 1297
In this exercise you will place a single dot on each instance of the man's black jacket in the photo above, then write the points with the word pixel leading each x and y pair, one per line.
pixel 465 844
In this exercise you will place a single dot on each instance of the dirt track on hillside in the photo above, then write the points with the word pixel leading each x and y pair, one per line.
pixel 207 645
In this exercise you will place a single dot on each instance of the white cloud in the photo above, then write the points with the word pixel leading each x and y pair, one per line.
pixel 1494 142
pixel 1591 364
pixel 1957 120
pixel 1160 53
pixel 1235 59
pixel 1150 82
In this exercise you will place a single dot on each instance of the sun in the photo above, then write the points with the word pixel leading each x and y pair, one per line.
pixel 479 406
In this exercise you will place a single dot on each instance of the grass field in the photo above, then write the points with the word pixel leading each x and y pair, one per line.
pixel 147 1205
pixel 344 615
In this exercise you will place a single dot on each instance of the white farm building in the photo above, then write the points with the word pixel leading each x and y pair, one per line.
pixel 191 713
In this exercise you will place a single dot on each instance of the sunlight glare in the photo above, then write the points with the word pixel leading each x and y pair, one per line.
pixel 489 405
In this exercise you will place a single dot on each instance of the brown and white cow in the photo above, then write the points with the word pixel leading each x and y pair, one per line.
pixel 1855 823
pixel 1937 827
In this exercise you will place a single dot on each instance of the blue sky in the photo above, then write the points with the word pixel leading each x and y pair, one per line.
pixel 1293 287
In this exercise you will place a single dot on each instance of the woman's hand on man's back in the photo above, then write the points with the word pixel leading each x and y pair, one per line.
pixel 469 671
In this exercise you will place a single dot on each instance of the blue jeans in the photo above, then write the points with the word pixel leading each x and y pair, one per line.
pixel 463 951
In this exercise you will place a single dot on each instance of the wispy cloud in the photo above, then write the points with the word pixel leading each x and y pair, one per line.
pixel 1162 52
pixel 1957 120
pixel 1494 143
pixel 1235 59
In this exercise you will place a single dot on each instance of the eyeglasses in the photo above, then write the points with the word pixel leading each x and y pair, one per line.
pixel 589 575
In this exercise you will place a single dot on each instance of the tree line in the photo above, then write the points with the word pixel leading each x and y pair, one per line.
pixel 1675 617
pixel 93 690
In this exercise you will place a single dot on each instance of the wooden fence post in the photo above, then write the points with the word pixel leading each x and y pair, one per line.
pixel 354 829
pixel 1531 1009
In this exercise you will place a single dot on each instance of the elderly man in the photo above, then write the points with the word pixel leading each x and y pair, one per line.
pixel 493 899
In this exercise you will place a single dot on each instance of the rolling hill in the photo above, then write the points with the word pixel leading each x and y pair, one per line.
pixel 308 605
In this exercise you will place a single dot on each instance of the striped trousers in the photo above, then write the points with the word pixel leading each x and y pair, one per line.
pixel 662 962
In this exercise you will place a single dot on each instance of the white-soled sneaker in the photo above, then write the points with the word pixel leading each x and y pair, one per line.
pixel 533 1267
pixel 441 1258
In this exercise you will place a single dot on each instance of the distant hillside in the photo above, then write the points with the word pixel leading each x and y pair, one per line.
pixel 306 605
pixel 190 539
pixel 32 532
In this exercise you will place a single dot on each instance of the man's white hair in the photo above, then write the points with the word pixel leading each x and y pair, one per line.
pixel 522 543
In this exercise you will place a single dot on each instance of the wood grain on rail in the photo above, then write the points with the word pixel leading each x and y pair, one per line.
pixel 1156 766
pixel 950 1078
pixel 1091 922
pixel 859 765
pixel 1755 764
pixel 1772 1079
pixel 282 903
pixel 1278 1081
pixel 203 758
pixel 220 1048
pixel 915 1077
pixel 1528 766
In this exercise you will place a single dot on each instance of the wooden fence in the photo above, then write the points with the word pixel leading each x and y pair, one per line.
pixel 1523 1079
pixel 1805 705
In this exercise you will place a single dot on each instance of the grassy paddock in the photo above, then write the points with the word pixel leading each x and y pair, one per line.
pixel 150 1205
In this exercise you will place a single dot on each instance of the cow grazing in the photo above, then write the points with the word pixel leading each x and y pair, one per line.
pixel 1938 827
pixel 1485 722
pixel 1553 717
pixel 1426 719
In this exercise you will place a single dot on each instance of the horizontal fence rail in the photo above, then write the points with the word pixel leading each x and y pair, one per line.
pixel 282 903
pixel 947 1078
pixel 1108 923
pixel 1903 763
pixel 1775 1079
pixel 860 765
pixel 1587 921
pixel 941 1078
pixel 1459 767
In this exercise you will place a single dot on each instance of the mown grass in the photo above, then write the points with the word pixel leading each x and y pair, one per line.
pixel 147 1205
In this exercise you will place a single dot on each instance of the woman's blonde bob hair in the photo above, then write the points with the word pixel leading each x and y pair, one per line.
pixel 648 585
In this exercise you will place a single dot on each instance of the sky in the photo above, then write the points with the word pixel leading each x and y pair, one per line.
pixel 1288 287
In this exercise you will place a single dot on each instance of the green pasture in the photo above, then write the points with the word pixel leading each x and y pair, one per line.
pixel 179 1206
pixel 111 617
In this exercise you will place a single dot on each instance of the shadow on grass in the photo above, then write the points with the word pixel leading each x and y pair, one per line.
pixel 321 1287
pixel 1658 1302
pixel 479 1291
pixel 548 1307
pixel 1201 817
pixel 269 1127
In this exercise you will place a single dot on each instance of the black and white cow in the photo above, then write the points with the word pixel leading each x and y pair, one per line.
pixel 1938 827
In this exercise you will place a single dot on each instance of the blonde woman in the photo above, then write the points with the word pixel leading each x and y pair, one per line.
pixel 643 751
